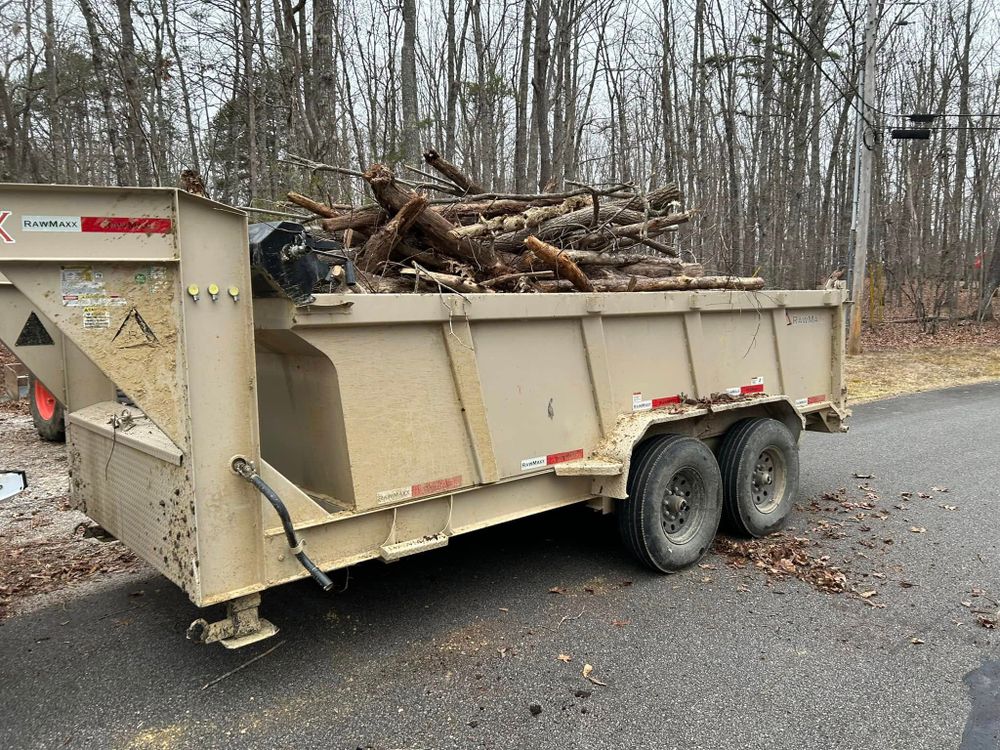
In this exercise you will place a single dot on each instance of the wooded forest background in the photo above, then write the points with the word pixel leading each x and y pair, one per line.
pixel 750 106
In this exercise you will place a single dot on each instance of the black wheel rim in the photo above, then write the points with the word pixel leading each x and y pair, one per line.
pixel 767 481
pixel 682 507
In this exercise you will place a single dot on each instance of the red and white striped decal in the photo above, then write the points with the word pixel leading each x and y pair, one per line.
pixel 102 224
pixel 645 404
pixel 818 399
pixel 540 462
pixel 756 385
pixel 422 489
pixel 125 225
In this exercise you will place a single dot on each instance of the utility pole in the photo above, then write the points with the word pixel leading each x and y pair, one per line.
pixel 863 182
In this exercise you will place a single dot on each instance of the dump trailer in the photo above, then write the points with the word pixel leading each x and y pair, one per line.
pixel 238 443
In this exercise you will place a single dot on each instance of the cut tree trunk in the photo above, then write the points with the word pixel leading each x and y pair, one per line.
pixel 532 217
pixel 448 280
pixel 557 261
pixel 436 229
pixel 453 173
pixel 380 245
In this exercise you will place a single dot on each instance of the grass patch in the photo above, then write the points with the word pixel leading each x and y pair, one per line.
pixel 877 375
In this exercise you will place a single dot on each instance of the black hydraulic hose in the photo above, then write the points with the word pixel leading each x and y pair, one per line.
pixel 243 467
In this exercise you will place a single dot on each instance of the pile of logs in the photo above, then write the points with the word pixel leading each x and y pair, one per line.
pixel 584 239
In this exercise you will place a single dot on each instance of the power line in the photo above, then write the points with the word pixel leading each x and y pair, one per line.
pixel 871 105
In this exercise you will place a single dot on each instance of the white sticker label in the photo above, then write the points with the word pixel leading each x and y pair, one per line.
pixel 757 381
pixel 734 391
pixel 538 462
pixel 50 223
pixel 800 402
pixel 394 496
pixel 82 286
pixel 641 404
pixel 96 317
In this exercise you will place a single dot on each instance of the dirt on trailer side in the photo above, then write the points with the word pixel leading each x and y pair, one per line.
pixel 42 543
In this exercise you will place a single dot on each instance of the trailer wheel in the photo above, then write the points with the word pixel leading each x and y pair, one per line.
pixel 760 473
pixel 46 412
pixel 674 505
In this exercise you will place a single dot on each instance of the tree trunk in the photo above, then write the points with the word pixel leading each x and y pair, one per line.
pixel 133 96
pixel 410 137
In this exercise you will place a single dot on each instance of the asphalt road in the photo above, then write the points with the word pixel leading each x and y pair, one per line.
pixel 448 649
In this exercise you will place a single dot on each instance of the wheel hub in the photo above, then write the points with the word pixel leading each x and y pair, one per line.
pixel 766 482
pixel 677 511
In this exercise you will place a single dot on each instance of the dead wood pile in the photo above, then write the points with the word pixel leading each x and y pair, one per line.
pixel 587 238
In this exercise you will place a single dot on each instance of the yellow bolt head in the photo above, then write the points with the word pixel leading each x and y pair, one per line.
pixel 193 290
pixel 213 289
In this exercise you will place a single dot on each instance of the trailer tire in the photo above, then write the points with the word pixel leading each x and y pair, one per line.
pixel 759 459
pixel 674 505
pixel 46 412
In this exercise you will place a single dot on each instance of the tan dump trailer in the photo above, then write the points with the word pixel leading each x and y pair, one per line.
pixel 268 442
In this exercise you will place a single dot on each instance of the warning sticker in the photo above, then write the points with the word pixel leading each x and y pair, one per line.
pixel 82 286
pixel 96 317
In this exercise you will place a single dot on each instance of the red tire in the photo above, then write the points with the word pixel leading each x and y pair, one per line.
pixel 46 412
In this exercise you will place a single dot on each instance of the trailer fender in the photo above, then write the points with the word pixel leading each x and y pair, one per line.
pixel 609 462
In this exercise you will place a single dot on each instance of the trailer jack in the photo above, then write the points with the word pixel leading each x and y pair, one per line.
pixel 242 626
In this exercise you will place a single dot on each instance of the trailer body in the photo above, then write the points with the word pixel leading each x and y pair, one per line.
pixel 386 423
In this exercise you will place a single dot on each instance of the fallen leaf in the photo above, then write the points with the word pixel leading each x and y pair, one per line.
pixel 706 579
pixel 623 584
pixel 868 594
pixel 906 495
pixel 923 495
pixel 557 590
pixel 906 584
pixel 917 641
pixel 989 623
pixel 621 623
pixel 949 507
pixel 918 529
pixel 939 489
pixel 504 609
pixel 587 670
pixel 564 657
pixel 966 604
pixel 863 476
pixel 706 566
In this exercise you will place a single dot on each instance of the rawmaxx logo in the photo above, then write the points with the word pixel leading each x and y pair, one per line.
pixel 50 223
pixel 4 236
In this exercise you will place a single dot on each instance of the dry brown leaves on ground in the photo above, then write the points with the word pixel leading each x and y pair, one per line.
pixel 783 557
pixel 41 566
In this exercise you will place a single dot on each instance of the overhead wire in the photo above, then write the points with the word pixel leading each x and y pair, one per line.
pixel 871 105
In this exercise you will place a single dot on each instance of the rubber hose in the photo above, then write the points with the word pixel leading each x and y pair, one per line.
pixel 293 540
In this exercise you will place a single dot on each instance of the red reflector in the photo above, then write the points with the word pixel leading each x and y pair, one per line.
pixel 558 458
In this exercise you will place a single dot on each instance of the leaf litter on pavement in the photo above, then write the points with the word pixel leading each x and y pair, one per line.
pixel 837 515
